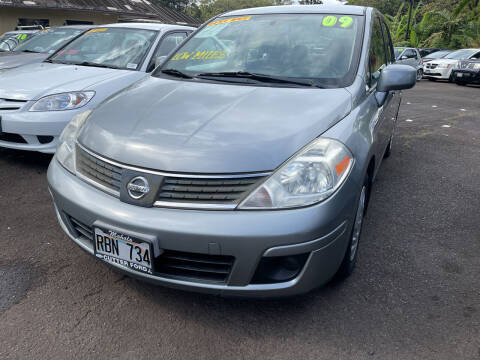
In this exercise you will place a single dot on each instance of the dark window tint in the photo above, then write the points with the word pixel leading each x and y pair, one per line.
pixel 169 43
pixel 411 54
pixel 388 44
pixel 378 59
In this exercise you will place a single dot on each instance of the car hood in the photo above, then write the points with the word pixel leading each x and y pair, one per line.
pixel 445 61
pixel 210 128
pixel 31 82
pixel 12 59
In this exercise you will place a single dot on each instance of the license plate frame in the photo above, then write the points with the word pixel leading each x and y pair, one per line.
pixel 122 249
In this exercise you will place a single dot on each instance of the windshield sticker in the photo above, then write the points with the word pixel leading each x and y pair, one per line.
pixel 132 66
pixel 68 52
pixel 226 21
pixel 344 22
pixel 96 30
pixel 21 36
pixel 201 55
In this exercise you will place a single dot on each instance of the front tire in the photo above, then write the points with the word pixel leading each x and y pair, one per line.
pixel 419 74
pixel 350 259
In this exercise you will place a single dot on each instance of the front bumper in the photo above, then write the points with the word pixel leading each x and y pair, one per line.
pixel 33 131
pixel 320 232
pixel 467 76
pixel 437 73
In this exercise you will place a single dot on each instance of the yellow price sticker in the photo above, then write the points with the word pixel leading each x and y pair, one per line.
pixel 200 55
pixel 97 30
pixel 226 21
pixel 344 22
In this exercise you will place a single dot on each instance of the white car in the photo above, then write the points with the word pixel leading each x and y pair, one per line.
pixel 38 100
pixel 442 69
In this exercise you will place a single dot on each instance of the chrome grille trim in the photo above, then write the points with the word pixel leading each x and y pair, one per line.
pixel 174 203
pixel 11 104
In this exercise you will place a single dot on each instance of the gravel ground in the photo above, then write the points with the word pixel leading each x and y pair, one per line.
pixel 415 293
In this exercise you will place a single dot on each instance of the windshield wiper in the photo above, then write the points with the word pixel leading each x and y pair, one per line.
pixel 259 77
pixel 27 51
pixel 93 64
pixel 176 73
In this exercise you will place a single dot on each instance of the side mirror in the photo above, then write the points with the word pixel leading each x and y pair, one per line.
pixel 404 57
pixel 159 60
pixel 395 77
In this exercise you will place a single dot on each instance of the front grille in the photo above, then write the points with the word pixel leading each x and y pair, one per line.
pixel 82 230
pixel 194 267
pixel 222 192
pixel 205 191
pixel 12 138
pixel 431 66
pixel 10 104
pixel 175 264
pixel 98 171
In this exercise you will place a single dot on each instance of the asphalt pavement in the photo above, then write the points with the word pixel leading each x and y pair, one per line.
pixel 414 295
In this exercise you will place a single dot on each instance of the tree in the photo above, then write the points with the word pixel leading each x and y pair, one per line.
pixel 205 9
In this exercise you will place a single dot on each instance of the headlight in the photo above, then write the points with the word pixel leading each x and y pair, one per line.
pixel 444 66
pixel 66 146
pixel 65 101
pixel 309 177
pixel 476 66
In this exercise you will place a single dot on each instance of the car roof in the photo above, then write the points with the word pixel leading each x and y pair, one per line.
pixel 81 27
pixel 147 26
pixel 22 32
pixel 301 9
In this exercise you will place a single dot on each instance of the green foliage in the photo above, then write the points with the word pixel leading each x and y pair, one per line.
pixel 206 9
pixel 435 23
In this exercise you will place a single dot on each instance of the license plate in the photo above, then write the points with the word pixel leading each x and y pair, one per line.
pixel 121 249
pixel 459 75
pixel 427 71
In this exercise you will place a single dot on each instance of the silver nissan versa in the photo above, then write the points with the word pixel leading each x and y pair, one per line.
pixel 244 164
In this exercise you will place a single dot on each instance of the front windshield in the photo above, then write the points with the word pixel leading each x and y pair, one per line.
pixel 460 54
pixel 10 41
pixel 437 54
pixel 49 41
pixel 120 48
pixel 398 51
pixel 321 48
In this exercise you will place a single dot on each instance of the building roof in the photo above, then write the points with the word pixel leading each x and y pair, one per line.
pixel 123 8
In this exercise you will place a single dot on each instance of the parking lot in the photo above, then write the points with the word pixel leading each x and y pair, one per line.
pixel 414 295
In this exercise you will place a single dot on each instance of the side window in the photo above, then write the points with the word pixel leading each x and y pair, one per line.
pixel 410 54
pixel 170 42
pixel 388 44
pixel 476 56
pixel 377 56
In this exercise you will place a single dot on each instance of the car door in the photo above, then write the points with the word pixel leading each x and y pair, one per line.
pixel 167 44
pixel 380 126
pixel 392 105
pixel 411 57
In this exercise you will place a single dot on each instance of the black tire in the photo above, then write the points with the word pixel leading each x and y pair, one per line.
pixel 350 259
pixel 419 74
pixel 388 152
pixel 451 79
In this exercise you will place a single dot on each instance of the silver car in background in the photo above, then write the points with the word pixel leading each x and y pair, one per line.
pixel 442 69
pixel 412 57
pixel 38 100
pixel 41 46
pixel 244 164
